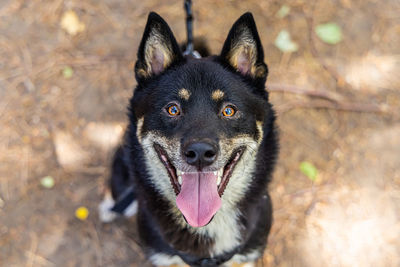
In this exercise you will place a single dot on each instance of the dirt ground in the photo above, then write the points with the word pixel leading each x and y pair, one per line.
pixel 63 99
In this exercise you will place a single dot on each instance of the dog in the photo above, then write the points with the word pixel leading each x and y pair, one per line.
pixel 199 150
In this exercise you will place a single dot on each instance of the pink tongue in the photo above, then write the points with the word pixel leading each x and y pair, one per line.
pixel 199 199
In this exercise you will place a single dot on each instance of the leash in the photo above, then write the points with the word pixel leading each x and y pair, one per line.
pixel 189 27
pixel 189 31
pixel 124 201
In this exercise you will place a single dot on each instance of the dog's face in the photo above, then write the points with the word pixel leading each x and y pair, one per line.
pixel 200 121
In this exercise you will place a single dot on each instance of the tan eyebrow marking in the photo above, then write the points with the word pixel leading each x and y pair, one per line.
pixel 184 94
pixel 217 95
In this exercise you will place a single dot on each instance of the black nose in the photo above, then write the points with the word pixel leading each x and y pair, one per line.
pixel 200 154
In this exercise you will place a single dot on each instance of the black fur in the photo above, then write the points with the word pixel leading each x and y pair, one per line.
pixel 158 229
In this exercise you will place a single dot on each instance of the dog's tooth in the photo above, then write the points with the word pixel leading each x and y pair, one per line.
pixel 215 173
pixel 218 180
pixel 180 180
pixel 178 172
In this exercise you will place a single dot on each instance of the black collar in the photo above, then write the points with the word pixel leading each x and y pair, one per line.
pixel 208 262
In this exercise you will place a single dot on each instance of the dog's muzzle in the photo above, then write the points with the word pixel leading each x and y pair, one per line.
pixel 199 192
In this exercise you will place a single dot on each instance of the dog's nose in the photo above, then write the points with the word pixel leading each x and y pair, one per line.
pixel 200 154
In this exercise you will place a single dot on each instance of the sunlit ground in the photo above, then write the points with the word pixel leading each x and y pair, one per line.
pixel 354 228
pixel 66 76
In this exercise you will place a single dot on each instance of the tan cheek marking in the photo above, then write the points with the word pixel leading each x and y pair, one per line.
pixel 139 126
pixel 184 94
pixel 260 130
pixel 217 95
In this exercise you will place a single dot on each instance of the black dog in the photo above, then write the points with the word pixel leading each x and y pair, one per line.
pixel 199 150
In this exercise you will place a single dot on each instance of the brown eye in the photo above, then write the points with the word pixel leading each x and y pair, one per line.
pixel 173 110
pixel 228 111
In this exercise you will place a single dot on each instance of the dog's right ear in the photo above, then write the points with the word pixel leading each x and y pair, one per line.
pixel 158 49
pixel 242 50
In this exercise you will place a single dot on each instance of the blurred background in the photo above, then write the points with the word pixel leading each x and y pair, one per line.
pixel 66 75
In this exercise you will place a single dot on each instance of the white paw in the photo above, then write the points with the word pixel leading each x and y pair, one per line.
pixel 106 215
pixel 161 259
pixel 131 209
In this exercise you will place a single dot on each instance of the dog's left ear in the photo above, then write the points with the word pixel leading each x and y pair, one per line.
pixel 158 49
pixel 242 49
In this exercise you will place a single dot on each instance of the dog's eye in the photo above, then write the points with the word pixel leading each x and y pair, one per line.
pixel 173 110
pixel 228 111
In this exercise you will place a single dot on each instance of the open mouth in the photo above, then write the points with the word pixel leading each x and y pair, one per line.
pixel 223 175
pixel 199 193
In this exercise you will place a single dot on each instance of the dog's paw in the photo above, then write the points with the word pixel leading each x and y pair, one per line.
pixel 131 209
pixel 106 215
pixel 161 260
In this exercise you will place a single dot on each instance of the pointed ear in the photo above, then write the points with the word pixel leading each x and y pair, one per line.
pixel 158 49
pixel 243 50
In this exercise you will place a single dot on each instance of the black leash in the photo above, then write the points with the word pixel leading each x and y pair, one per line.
pixel 189 31
pixel 189 27
pixel 124 201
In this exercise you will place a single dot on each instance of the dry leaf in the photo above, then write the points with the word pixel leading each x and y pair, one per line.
pixel 71 24
pixel 330 33
pixel 47 182
pixel 285 43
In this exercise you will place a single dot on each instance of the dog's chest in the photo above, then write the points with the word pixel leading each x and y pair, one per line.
pixel 224 230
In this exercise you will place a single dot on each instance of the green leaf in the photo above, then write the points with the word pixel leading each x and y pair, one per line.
pixel 309 170
pixel 285 43
pixel 283 11
pixel 67 72
pixel 47 182
pixel 329 33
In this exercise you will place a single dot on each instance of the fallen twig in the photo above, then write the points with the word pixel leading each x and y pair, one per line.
pixel 344 106
pixel 302 91
pixel 335 100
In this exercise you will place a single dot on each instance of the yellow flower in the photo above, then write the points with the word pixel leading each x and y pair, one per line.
pixel 82 213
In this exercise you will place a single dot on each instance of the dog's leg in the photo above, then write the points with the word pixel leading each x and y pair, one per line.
pixel 120 197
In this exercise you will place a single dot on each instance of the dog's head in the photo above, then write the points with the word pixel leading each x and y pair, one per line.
pixel 200 122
